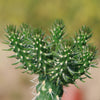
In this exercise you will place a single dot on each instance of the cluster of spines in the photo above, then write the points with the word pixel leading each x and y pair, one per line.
pixel 85 55
pixel 84 35
pixel 29 47
pixel 61 62
pixel 57 31
pixel 59 72
pixel 73 60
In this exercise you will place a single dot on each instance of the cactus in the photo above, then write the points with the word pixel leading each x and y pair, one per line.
pixel 56 59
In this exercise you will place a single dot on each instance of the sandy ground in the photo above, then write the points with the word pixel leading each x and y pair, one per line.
pixel 15 85
pixel 91 87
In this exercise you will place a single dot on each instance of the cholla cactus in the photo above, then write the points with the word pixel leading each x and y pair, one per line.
pixel 57 60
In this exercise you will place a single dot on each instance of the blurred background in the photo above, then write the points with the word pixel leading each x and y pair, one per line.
pixel 42 13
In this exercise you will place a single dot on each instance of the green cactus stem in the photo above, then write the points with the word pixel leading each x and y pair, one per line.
pixel 57 60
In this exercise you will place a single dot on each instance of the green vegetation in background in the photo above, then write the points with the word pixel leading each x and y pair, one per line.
pixel 41 13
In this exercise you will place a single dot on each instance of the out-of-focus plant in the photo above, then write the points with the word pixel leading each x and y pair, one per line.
pixel 57 60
